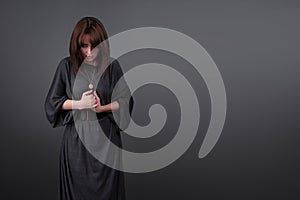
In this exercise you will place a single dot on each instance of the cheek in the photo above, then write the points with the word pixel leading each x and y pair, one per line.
pixel 82 50
pixel 95 51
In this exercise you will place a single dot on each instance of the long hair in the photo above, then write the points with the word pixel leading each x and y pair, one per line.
pixel 95 29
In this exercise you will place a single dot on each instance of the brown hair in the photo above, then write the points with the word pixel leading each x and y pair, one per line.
pixel 95 29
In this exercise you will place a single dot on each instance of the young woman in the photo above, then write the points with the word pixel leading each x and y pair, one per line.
pixel 80 95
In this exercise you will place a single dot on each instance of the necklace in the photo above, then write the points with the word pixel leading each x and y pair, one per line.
pixel 90 80
pixel 91 86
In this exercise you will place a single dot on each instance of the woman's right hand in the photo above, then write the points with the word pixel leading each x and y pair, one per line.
pixel 88 100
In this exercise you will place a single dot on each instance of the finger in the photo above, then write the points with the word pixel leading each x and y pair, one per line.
pixel 91 97
pixel 95 105
pixel 95 94
pixel 88 92
pixel 92 101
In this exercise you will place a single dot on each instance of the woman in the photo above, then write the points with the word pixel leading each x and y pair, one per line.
pixel 80 95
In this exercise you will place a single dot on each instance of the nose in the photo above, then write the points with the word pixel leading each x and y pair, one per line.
pixel 88 51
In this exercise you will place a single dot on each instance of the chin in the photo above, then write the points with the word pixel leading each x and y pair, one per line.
pixel 89 59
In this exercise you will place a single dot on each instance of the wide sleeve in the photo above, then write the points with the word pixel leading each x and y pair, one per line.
pixel 56 96
pixel 120 93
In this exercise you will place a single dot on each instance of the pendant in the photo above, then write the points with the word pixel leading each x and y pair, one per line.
pixel 91 86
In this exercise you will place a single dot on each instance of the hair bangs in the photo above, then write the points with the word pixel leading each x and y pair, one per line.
pixel 92 36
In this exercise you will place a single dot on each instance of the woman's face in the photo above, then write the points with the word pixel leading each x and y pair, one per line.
pixel 89 53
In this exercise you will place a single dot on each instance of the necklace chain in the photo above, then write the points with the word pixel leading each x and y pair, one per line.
pixel 91 86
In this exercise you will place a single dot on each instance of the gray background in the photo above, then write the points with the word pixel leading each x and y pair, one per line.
pixel 255 44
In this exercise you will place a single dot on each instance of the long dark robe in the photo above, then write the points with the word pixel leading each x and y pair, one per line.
pixel 81 175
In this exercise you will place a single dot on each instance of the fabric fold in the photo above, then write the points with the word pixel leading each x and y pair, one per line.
pixel 56 97
pixel 120 93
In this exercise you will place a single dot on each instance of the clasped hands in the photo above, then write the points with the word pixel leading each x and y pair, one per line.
pixel 90 100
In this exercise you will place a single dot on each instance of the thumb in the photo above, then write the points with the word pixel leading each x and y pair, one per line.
pixel 95 94
pixel 87 92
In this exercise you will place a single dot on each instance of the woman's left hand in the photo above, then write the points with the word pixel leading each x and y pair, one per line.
pixel 98 108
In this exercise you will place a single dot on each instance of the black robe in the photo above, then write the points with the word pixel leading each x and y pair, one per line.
pixel 81 175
